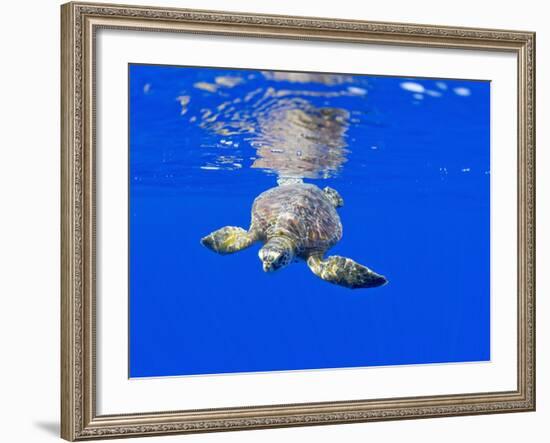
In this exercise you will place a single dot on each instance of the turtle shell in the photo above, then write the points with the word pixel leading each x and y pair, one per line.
pixel 300 212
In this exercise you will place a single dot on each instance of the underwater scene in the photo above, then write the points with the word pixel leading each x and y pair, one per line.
pixel 295 221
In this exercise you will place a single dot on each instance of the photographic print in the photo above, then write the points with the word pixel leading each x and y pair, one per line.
pixel 273 221
pixel 283 221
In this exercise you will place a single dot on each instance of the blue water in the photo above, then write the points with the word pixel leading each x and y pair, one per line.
pixel 410 157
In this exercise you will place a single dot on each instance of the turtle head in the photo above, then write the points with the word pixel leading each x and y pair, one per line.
pixel 277 253
pixel 334 197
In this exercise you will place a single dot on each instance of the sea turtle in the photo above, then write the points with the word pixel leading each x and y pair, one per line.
pixel 296 220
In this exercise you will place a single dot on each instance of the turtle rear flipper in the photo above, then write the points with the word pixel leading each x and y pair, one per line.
pixel 345 272
pixel 228 240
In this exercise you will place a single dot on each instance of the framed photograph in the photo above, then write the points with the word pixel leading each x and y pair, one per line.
pixel 283 221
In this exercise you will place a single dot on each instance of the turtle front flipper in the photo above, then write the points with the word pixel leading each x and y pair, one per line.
pixel 228 240
pixel 345 272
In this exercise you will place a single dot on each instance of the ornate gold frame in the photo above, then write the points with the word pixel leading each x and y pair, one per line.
pixel 79 23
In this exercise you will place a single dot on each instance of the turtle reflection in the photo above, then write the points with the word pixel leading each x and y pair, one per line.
pixel 292 136
pixel 296 139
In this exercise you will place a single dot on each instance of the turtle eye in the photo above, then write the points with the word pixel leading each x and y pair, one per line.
pixel 273 259
pixel 261 254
